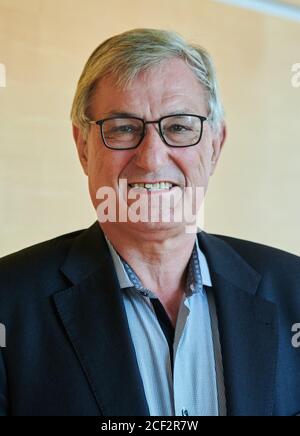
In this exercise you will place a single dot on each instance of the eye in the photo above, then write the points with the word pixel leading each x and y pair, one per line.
pixel 178 128
pixel 126 128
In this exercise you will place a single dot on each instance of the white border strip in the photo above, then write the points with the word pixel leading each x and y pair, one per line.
pixel 271 7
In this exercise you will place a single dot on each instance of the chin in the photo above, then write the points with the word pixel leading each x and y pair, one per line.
pixel 148 228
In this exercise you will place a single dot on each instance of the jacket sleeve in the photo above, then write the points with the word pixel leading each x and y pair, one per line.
pixel 3 387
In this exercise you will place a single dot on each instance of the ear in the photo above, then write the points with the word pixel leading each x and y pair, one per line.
pixel 82 147
pixel 218 142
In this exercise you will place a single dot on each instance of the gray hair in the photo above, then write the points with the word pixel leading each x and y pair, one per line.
pixel 128 54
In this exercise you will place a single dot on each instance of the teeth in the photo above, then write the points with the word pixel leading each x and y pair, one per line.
pixel 153 186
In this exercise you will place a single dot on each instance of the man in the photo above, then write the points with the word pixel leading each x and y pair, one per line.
pixel 146 317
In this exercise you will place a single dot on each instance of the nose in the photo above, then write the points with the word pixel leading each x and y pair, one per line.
pixel 152 154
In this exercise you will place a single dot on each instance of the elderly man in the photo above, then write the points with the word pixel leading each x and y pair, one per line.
pixel 139 316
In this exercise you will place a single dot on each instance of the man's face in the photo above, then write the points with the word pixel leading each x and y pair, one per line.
pixel 166 89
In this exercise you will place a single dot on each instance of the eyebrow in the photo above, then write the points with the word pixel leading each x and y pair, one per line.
pixel 118 113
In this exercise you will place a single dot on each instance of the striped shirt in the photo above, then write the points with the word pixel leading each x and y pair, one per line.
pixel 181 368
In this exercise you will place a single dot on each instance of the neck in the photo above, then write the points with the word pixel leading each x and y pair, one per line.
pixel 159 259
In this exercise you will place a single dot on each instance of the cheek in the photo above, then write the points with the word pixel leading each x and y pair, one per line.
pixel 106 166
pixel 195 163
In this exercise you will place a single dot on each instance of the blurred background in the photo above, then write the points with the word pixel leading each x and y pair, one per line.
pixel 44 44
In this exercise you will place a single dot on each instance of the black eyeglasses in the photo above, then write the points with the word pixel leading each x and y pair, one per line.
pixel 126 133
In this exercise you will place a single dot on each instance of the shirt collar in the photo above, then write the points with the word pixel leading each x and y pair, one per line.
pixel 198 273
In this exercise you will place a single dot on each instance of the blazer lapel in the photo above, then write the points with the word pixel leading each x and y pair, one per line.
pixel 94 317
pixel 248 330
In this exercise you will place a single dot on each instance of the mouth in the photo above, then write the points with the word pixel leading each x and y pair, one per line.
pixel 163 186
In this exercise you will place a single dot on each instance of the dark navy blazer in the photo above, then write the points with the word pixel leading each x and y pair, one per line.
pixel 69 350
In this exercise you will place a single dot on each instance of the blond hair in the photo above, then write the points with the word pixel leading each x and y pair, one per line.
pixel 128 54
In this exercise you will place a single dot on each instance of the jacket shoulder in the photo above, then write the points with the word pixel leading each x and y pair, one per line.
pixel 260 255
pixel 40 250
pixel 279 270
pixel 33 265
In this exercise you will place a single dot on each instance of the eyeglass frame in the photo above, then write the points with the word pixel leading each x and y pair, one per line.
pixel 101 122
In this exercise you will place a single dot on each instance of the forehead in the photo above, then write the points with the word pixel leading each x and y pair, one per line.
pixel 169 86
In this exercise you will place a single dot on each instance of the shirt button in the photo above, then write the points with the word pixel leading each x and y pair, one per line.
pixel 184 412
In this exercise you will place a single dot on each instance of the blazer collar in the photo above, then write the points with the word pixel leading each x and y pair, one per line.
pixel 87 254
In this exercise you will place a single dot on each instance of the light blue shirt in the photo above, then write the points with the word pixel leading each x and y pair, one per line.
pixel 196 387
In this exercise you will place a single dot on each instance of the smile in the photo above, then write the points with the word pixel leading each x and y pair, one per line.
pixel 160 186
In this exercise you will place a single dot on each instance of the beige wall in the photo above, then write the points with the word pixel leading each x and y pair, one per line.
pixel 44 44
